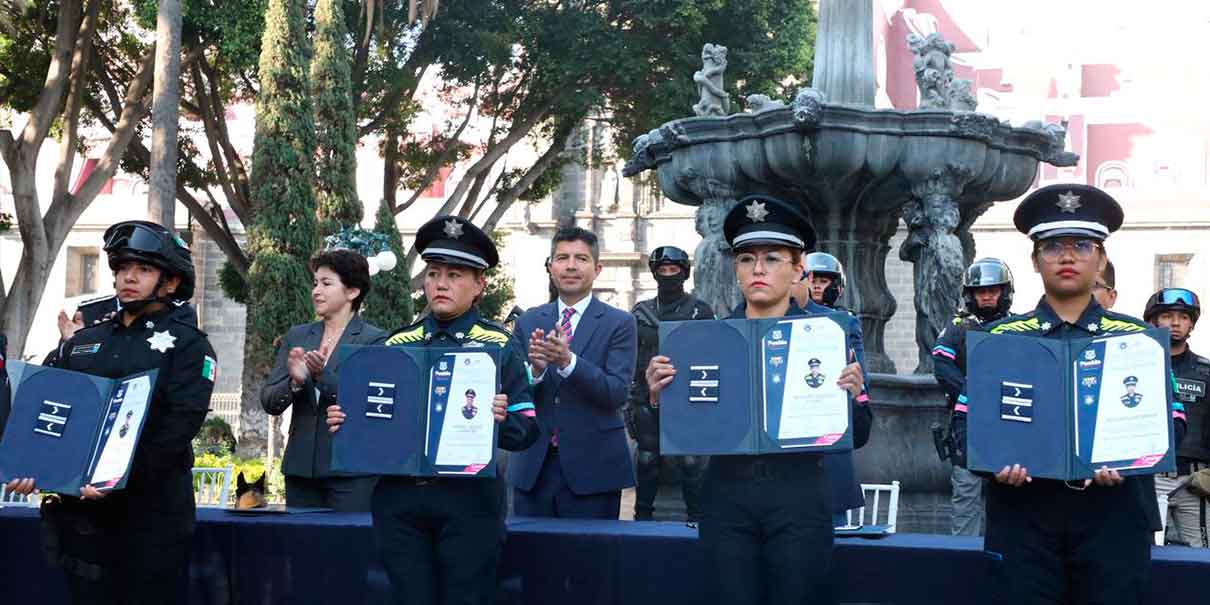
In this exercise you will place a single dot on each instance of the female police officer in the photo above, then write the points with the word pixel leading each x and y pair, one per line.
pixel 440 538
pixel 767 524
pixel 1076 542
pixel 132 546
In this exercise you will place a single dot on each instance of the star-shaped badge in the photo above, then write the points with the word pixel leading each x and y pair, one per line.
pixel 149 325
pixel 453 229
pixel 757 212
pixel 1069 202
pixel 1092 327
pixel 1045 326
pixel 161 341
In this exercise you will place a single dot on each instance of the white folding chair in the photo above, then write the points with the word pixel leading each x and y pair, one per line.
pixel 1162 500
pixel 212 486
pixel 875 494
pixel 8 498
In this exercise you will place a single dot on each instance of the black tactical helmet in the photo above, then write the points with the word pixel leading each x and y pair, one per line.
pixel 983 273
pixel 1173 299
pixel 151 243
pixel 822 263
pixel 669 255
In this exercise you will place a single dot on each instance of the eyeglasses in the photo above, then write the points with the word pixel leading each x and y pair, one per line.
pixel 1082 249
pixel 772 260
pixel 1102 286
pixel 1174 296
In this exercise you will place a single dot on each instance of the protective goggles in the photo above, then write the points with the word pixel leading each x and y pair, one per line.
pixel 137 238
pixel 1177 296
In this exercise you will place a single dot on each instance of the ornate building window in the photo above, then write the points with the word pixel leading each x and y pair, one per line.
pixel 1113 174
pixel 82 264
pixel 1171 269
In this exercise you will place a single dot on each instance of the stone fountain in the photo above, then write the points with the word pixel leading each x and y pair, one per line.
pixel 857 171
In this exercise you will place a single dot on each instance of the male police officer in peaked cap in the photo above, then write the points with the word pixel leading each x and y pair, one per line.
pixel 1069 542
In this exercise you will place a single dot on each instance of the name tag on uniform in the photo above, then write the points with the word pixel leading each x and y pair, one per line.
pixel 85 349
pixel 1190 390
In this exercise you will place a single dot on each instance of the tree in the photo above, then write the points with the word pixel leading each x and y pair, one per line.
pixel 165 112
pixel 389 304
pixel 335 123
pixel 283 232
pixel 59 41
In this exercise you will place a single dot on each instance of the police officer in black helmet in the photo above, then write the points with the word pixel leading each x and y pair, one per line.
pixel 1178 309
pixel 132 546
pixel 670 266
pixel 987 295
pixel 825 279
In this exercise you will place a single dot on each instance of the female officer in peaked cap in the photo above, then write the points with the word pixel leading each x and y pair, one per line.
pixel 767 524
pixel 441 538
pixel 1054 541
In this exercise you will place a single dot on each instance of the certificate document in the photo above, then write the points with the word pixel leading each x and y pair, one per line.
pixel 127 409
pixel 802 360
pixel 462 387
pixel 1123 400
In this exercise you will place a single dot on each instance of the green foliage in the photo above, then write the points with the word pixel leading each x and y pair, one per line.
pixel 215 437
pixel 335 123
pixel 233 284
pixel 25 50
pixel 283 234
pixel 389 305
pixel 252 468
pixel 233 27
pixel 498 295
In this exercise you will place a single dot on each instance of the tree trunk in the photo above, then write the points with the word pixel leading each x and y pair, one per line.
pixel 253 438
pixel 165 107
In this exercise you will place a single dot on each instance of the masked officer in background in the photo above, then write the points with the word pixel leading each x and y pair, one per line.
pixel 132 546
pixel 1078 542
pixel 1178 309
pixel 819 291
pixel 670 267
pixel 441 537
pixel 987 296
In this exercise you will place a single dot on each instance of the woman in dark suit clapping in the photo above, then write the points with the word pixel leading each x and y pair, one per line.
pixel 305 376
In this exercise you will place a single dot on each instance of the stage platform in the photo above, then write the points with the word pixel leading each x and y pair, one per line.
pixel 328 558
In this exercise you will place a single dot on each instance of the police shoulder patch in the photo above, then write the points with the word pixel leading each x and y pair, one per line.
pixel 1116 322
pixel 407 334
pixel 1015 324
pixel 489 332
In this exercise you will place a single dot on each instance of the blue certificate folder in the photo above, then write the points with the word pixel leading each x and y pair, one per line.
pixel 1065 408
pixel 403 405
pixel 731 386
pixel 69 429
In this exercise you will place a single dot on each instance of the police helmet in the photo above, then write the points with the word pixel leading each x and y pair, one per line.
pixel 822 263
pixel 151 243
pixel 669 255
pixel 1173 299
pixel 983 273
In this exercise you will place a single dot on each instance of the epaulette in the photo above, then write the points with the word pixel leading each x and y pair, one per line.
pixel 1199 360
pixel 489 331
pixel 407 334
pixel 1016 323
pixel 1118 322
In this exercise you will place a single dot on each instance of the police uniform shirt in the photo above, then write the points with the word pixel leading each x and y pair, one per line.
pixel 187 369
pixel 1095 321
pixel 1192 373
pixel 949 355
pixel 520 427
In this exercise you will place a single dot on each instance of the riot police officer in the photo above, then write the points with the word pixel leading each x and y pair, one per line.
pixel 825 279
pixel 1069 542
pixel 670 266
pixel 987 296
pixel 1178 310
pixel 767 520
pixel 132 546
pixel 441 538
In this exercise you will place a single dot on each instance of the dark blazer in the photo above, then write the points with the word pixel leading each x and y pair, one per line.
pixel 586 406
pixel 310 445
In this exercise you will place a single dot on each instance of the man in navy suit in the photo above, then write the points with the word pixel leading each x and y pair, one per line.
pixel 581 353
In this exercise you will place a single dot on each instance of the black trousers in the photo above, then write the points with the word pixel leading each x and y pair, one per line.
pixel 342 494
pixel 768 534
pixel 130 548
pixel 440 540
pixel 648 467
pixel 1054 545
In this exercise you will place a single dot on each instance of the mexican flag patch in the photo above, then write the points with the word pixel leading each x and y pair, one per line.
pixel 209 368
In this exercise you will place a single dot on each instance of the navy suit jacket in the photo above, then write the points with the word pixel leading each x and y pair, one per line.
pixel 586 406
